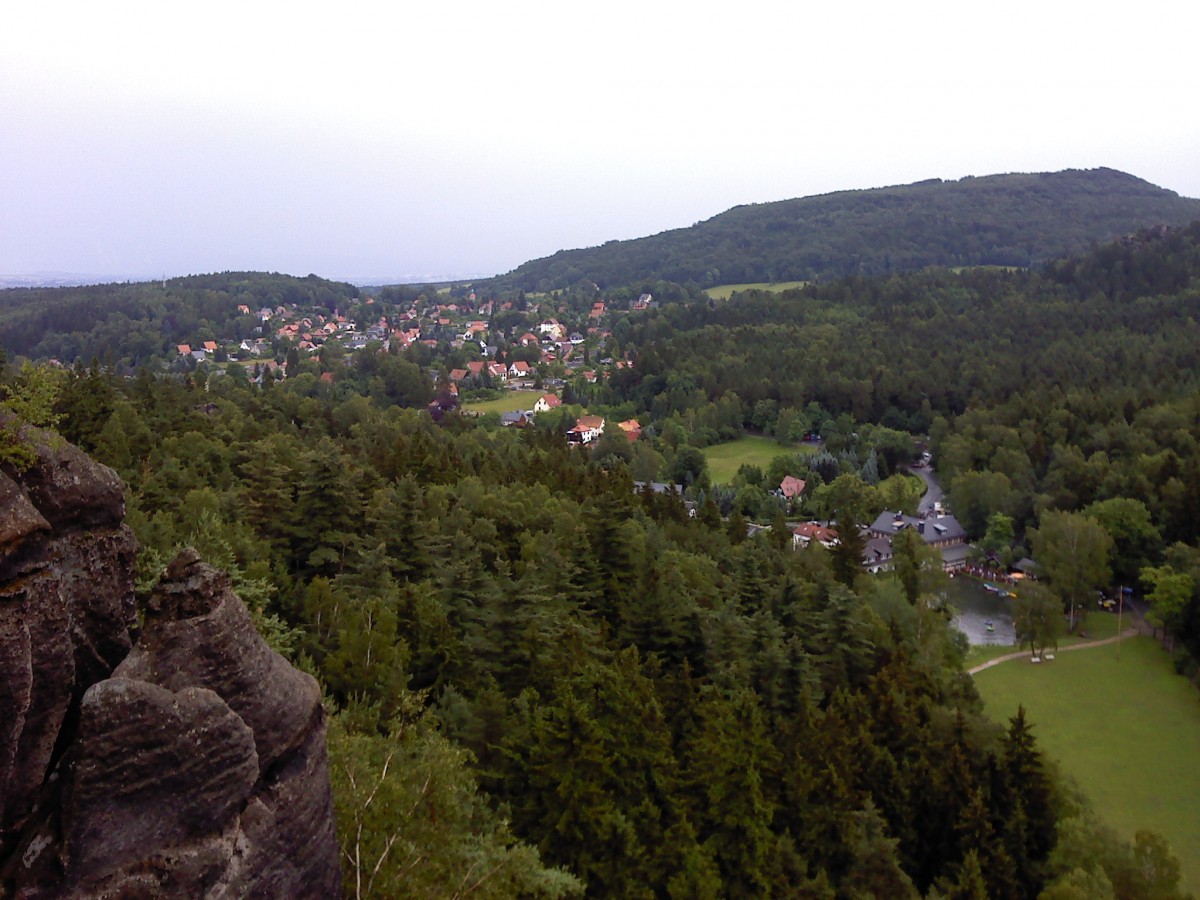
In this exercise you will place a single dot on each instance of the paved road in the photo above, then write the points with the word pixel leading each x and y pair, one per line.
pixel 933 490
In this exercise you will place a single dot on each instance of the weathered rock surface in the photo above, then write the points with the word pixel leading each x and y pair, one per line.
pixel 190 764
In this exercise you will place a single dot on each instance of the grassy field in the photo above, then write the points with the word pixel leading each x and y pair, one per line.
pixel 725 291
pixel 1099 625
pixel 724 459
pixel 510 402
pixel 1124 726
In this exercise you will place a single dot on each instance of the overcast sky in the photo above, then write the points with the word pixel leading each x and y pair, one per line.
pixel 360 141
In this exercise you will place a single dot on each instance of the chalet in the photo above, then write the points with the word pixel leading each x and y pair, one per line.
pixel 877 555
pixel 586 430
pixel 791 487
pixel 807 532
pixel 547 402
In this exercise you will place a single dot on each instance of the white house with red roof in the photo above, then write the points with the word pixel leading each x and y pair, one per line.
pixel 586 430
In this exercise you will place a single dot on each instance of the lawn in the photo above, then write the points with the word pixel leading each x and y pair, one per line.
pixel 1099 625
pixel 1124 726
pixel 725 291
pixel 724 459
pixel 510 402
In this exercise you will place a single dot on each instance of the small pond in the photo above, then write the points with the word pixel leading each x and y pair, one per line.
pixel 975 606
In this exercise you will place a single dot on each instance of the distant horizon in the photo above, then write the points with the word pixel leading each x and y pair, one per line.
pixel 421 141
pixel 61 278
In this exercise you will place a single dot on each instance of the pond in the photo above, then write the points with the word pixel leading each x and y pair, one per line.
pixel 975 606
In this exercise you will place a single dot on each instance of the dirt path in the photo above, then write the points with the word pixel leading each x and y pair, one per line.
pixel 1021 654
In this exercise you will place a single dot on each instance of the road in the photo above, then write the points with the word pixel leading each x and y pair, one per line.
pixel 933 490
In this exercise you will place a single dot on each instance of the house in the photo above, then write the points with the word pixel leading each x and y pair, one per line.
pixel 517 419
pixel 547 402
pixel 476 367
pixel 807 532
pixel 877 555
pixel 941 532
pixel 458 374
pixel 791 487
pixel 586 430
pixel 184 349
pixel 497 370
pixel 210 346
pixel 519 369
pixel 658 487
pixel 632 429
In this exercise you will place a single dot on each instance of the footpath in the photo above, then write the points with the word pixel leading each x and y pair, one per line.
pixel 1022 654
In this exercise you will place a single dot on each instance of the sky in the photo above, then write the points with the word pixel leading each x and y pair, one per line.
pixel 410 141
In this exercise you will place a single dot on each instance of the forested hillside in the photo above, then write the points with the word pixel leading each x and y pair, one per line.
pixel 661 705
pixel 998 220
pixel 135 323
pixel 548 683
pixel 1072 389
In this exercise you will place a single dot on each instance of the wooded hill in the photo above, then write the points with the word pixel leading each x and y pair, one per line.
pixel 142 321
pixel 999 220
pixel 551 679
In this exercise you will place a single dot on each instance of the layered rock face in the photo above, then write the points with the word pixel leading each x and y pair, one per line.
pixel 190 763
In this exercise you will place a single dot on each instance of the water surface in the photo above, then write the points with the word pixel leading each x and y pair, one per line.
pixel 975 606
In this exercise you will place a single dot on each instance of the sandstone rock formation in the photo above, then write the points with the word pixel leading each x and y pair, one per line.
pixel 190 763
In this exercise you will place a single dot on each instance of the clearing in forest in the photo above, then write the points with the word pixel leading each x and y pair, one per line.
pixel 1120 722
pixel 756 450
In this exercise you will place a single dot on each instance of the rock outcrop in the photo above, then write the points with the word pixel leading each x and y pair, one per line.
pixel 188 763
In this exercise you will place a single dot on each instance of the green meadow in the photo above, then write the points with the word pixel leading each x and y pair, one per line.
pixel 1127 728
pixel 510 402
pixel 725 459
pixel 1098 626
pixel 725 291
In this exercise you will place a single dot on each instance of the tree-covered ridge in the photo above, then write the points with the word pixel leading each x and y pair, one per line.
pixel 139 322
pixel 1072 390
pixel 1003 220
pixel 658 705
